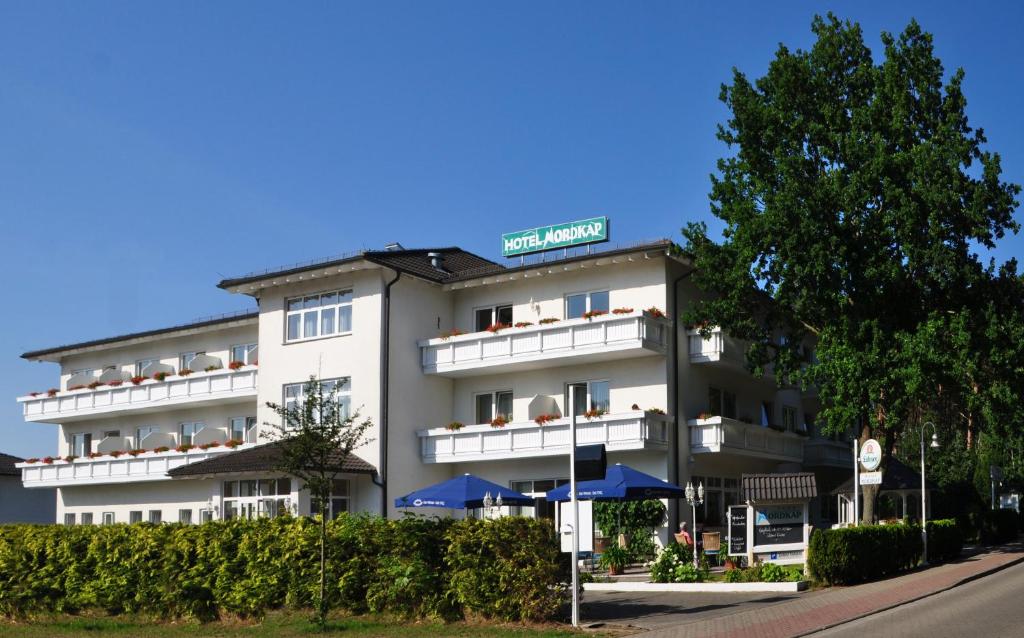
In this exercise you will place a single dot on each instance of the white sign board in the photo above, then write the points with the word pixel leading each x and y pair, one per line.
pixel 870 456
pixel 586 525
pixel 870 478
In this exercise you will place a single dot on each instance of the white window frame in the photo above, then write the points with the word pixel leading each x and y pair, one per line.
pixel 205 515
pixel 256 506
pixel 298 393
pixel 185 360
pixel 142 364
pixel 86 518
pixel 111 434
pixel 590 394
pixel 190 425
pixel 334 512
pixel 81 444
pixel 589 297
pixel 493 309
pixel 338 307
pixel 135 516
pixel 143 431
pixel 185 516
pixel 109 518
pixel 247 423
pixel 248 349
pixel 155 516
pixel 494 404
pixel 69 518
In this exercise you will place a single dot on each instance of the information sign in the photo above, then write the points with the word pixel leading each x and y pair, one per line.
pixel 738 530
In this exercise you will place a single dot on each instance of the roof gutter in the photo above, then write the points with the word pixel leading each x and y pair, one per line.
pixel 381 480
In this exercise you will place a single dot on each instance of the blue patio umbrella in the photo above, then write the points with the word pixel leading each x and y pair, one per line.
pixel 620 483
pixel 461 492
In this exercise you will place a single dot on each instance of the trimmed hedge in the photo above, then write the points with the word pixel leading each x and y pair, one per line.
pixel 855 554
pixel 945 540
pixel 509 568
pixel 998 526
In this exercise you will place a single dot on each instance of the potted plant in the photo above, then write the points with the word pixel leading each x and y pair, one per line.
pixel 184 447
pixel 655 312
pixel 114 383
pixel 622 311
pixel 233 443
pixel 593 414
pixel 494 328
pixel 32 460
pixel 590 314
pixel 138 379
pixel 160 376
pixel 454 426
pixel 614 559
pixel 94 385
pixel 211 368
pixel 730 562
pixel 448 334
pixel 235 365
pixel 499 421
pixel 52 392
pixel 548 320
pixel 161 448
pixel 184 372
pixel 523 324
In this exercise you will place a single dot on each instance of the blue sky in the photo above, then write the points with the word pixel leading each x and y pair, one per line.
pixel 148 149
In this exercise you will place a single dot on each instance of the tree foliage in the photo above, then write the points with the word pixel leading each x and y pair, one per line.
pixel 854 207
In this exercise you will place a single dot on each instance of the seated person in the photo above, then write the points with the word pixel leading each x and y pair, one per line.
pixel 683 537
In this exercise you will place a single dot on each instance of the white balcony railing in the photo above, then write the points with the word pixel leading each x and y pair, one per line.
pixel 722 435
pixel 611 336
pixel 626 431
pixel 216 386
pixel 148 466
pixel 717 347
pixel 822 452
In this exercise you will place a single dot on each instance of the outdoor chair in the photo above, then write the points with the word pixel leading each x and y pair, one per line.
pixel 712 543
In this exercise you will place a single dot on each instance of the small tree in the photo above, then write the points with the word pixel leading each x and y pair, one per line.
pixel 316 436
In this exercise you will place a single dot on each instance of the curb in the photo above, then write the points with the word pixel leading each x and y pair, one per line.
pixel 954 585
pixel 716 588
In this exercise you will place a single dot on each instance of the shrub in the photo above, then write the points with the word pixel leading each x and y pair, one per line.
pixel 636 518
pixel 765 573
pixel 510 569
pixel 998 526
pixel 663 570
pixel 945 540
pixel 855 554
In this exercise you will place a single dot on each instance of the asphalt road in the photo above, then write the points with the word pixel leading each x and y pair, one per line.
pixel 990 607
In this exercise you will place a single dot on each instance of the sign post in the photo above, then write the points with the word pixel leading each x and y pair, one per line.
pixel 535 240
pixel 575 513
pixel 856 485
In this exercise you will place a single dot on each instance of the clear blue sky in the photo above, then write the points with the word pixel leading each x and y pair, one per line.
pixel 147 149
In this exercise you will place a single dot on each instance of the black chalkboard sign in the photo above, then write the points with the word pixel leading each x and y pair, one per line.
pixel 778 525
pixel 737 530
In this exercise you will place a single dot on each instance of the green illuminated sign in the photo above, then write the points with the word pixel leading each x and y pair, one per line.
pixel 535 240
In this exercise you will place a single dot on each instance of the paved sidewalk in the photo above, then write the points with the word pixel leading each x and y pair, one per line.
pixel 819 610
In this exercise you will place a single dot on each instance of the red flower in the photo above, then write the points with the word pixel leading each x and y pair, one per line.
pixel 655 312
pixel 48 460
pixel 52 392
pixel 523 324
pixel 32 460
pixel 593 414
pixel 115 383
pixel 454 332
pixel 235 365
pixel 69 458
pixel 499 421
pixel 34 394
pixel 139 379
pixel 590 314
pixel 136 452
pixel 545 418
pixel 495 327
pixel 622 311
pixel 547 320
pixel 94 385
pixel 454 426
pixel 184 372
pixel 184 447
pixel 116 453
pixel 160 376
pixel 162 448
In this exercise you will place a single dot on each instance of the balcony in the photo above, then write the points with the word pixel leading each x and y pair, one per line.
pixel 603 338
pixel 722 435
pixel 636 430
pixel 717 347
pixel 214 387
pixel 826 453
pixel 148 466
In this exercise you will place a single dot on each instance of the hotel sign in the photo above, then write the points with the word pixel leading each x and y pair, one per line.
pixel 535 240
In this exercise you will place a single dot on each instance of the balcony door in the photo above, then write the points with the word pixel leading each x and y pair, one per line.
pixel 491 315
pixel 589 396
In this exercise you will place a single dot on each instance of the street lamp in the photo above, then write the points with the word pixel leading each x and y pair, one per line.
pixel 695 498
pixel 924 489
pixel 489 503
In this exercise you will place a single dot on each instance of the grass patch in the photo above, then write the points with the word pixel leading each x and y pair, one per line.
pixel 275 625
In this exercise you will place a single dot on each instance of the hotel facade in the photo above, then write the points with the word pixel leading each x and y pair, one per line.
pixel 462 364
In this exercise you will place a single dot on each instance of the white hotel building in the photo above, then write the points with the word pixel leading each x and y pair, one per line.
pixel 661 398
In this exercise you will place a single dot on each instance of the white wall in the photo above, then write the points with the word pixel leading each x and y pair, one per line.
pixel 167 496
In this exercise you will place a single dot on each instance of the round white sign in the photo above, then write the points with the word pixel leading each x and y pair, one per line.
pixel 871 455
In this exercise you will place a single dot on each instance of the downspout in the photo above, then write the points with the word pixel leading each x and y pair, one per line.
pixel 381 479
pixel 675 381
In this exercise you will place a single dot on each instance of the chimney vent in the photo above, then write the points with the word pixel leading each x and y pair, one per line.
pixel 392 247
pixel 435 261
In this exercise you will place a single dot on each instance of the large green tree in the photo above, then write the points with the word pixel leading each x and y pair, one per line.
pixel 855 200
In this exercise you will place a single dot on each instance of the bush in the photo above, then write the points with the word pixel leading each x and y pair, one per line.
pixel 509 569
pixel 675 565
pixel 998 526
pixel 636 518
pixel 765 573
pixel 945 540
pixel 856 554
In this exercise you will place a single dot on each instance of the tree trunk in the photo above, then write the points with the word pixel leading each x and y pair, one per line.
pixel 868 492
pixel 322 603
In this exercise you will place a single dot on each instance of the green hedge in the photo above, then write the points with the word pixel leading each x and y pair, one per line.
pixel 509 569
pixel 855 554
pixel 945 540
pixel 998 526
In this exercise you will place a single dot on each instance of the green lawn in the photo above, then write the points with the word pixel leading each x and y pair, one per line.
pixel 274 626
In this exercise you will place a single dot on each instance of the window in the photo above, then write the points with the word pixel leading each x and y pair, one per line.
pixel 142 432
pixel 69 519
pixel 111 434
pixel 590 396
pixel 185 360
pixel 341 493
pixel 108 518
pixel 789 418
pixel 87 518
pixel 246 353
pixel 577 305
pixel 257 498
pixel 135 517
pixel 538 489
pixel 205 515
pixel 294 393
pixel 142 364
pixel 185 516
pixel 319 315
pixel 155 516
pixel 491 405
pixel 491 315
pixel 767 413
pixel 188 430
pixel 721 403
pixel 240 426
pixel 81 444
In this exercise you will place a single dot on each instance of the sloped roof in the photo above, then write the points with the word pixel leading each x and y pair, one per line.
pixel 261 458
pixel 7 465
pixel 895 476
pixel 245 315
pixel 779 487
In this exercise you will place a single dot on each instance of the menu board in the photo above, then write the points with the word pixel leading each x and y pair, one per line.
pixel 737 530
pixel 778 524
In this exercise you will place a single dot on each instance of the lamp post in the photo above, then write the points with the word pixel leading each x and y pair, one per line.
pixel 490 503
pixel 695 498
pixel 924 490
